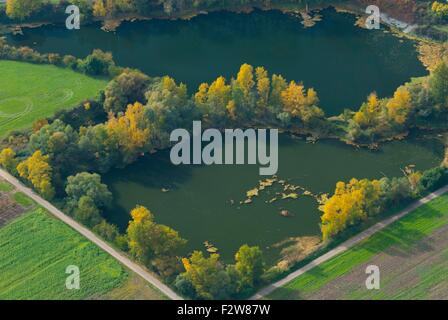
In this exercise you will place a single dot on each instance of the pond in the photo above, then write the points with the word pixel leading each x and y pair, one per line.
pixel 203 202
pixel 342 62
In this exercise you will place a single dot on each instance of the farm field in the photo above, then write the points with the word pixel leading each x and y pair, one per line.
pixel 411 254
pixel 29 92
pixel 35 250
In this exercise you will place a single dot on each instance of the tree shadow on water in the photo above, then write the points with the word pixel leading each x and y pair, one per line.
pixel 153 171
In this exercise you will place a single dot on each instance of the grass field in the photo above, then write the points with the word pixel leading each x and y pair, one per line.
pixel 411 253
pixel 35 250
pixel 29 92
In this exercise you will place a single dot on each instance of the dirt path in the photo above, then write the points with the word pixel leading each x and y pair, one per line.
pixel 348 244
pixel 92 237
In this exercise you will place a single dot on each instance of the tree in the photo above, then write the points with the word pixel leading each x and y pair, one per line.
pixel 97 63
pixel 245 81
pixel 38 171
pixel 149 240
pixel 278 85
pixel 369 112
pixel 214 100
pixel 127 88
pixel 87 212
pixel 8 159
pixel 399 106
pixel 263 88
pixel 207 275
pixel 131 132
pixel 299 104
pixel 106 230
pixel 432 179
pixel 169 108
pixel 249 265
pixel 351 203
pixel 60 142
pixel 99 10
pixel 438 84
pixel 21 9
pixel 88 185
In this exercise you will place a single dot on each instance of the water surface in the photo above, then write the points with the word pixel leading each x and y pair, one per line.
pixel 199 203
pixel 342 62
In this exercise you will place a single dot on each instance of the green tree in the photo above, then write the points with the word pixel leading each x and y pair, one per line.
pixel 249 265
pixel 89 185
pixel 127 88
pixel 87 212
pixel 208 276
pixel 8 159
pixel 439 84
pixel 149 240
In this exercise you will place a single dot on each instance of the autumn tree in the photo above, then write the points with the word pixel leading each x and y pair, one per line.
pixel 249 265
pixel 38 171
pixel 99 9
pixel 207 275
pixel 263 89
pixel 149 240
pixel 369 112
pixel 278 85
pixel 214 100
pixel 130 132
pixel 300 104
pixel 352 202
pixel 21 9
pixel 8 159
pixel 399 107
pixel 245 82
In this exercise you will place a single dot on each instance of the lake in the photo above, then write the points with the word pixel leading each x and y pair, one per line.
pixel 342 62
pixel 199 201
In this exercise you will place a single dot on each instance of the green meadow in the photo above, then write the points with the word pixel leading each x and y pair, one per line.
pixel 29 92
pixel 36 249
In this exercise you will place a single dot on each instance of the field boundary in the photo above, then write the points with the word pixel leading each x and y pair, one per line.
pixel 348 244
pixel 92 237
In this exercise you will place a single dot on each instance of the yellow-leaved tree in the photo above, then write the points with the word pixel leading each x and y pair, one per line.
pixel 8 159
pixel 369 112
pixel 37 170
pixel 130 131
pixel 263 88
pixel 351 202
pixel 299 104
pixel 399 106
pixel 245 80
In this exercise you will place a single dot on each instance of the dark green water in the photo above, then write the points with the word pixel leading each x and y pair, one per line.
pixel 199 206
pixel 342 62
